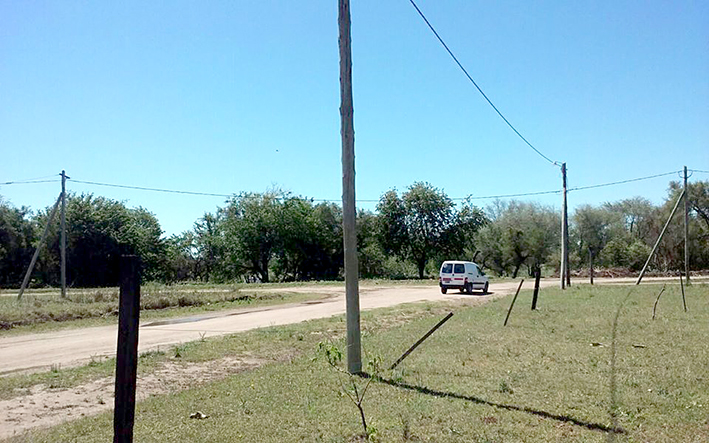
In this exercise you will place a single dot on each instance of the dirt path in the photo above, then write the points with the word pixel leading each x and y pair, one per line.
pixel 73 347
pixel 43 407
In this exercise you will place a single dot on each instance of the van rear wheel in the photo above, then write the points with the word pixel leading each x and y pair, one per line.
pixel 444 290
pixel 487 285
pixel 469 288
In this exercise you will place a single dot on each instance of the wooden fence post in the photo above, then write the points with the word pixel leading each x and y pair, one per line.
pixel 513 302
pixel 537 276
pixel 654 308
pixel 681 284
pixel 421 340
pixel 127 350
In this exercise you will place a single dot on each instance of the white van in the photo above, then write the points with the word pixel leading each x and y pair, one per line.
pixel 462 275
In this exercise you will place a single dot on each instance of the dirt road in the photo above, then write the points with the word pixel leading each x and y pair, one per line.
pixel 78 346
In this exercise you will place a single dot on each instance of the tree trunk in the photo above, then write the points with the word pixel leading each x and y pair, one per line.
pixel 263 273
pixel 517 266
pixel 422 266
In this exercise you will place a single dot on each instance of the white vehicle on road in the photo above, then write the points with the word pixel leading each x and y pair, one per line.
pixel 465 276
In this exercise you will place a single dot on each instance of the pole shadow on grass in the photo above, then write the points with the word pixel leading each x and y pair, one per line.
pixel 443 394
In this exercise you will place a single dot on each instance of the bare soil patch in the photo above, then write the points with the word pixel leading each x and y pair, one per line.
pixel 42 406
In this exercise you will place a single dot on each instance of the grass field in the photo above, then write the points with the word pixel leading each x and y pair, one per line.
pixel 589 365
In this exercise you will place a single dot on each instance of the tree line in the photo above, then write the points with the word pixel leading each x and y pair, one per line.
pixel 275 236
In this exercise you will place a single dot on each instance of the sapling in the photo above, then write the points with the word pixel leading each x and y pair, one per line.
pixel 353 388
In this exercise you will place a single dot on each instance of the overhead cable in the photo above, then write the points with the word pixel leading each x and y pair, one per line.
pixel 29 182
pixel 141 188
pixel 478 87
pixel 471 197
pixel 581 188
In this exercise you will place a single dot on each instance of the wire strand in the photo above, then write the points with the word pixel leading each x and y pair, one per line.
pixel 471 197
pixel 581 188
pixel 28 182
pixel 478 87
pixel 141 188
pixel 44 177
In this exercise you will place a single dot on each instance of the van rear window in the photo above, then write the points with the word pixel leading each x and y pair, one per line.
pixel 447 268
pixel 459 269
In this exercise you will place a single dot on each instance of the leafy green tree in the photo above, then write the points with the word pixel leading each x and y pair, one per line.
pixel 99 232
pixel 210 246
pixel 636 215
pixel 670 254
pixel 253 226
pixel 180 262
pixel 594 228
pixel 370 252
pixel 275 235
pixel 519 233
pixel 469 220
pixel 311 241
pixel 418 226
pixel 17 235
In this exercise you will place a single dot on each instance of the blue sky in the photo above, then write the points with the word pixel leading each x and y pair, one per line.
pixel 232 96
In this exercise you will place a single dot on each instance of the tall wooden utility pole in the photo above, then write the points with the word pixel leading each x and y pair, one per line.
pixel 63 234
pixel 686 227
pixel 354 352
pixel 564 274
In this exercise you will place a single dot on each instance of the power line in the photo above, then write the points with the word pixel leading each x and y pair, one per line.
pixel 487 197
pixel 28 182
pixel 471 197
pixel 478 87
pixel 141 188
pixel 581 188
pixel 698 170
pixel 36 178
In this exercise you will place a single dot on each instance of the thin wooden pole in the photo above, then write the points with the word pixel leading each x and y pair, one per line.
pixel 537 276
pixel 513 302
pixel 127 350
pixel 681 285
pixel 657 243
pixel 421 340
pixel 63 235
pixel 349 212
pixel 654 308
pixel 42 240
pixel 590 264
pixel 686 227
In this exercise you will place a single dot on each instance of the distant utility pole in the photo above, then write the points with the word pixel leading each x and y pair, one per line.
pixel 564 274
pixel 354 352
pixel 686 227
pixel 63 234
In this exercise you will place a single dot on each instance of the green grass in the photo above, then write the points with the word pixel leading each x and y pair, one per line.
pixel 46 310
pixel 539 379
